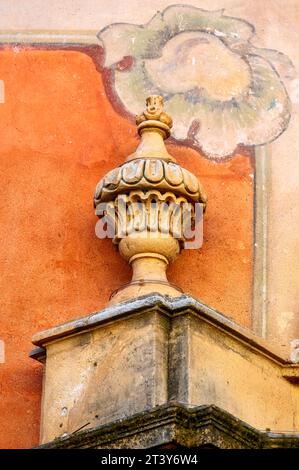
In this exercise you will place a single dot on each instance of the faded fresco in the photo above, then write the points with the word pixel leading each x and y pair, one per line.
pixel 220 89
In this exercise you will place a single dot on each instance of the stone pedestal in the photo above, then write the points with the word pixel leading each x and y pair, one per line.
pixel 109 372
pixel 115 378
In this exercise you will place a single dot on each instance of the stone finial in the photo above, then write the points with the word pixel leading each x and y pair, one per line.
pixel 154 117
pixel 148 201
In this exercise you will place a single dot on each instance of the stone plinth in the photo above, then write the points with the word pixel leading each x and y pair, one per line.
pixel 110 372
pixel 147 354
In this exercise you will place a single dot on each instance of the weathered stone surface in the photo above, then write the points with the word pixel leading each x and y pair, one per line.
pixel 210 367
pixel 105 374
pixel 178 425
pixel 147 201
pixel 164 175
pixel 153 351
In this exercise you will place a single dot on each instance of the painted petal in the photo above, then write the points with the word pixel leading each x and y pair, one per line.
pixel 124 39
pixel 283 65
pixel 256 118
pixel 257 112
pixel 183 114
pixel 217 135
pixel 133 87
pixel 269 102
pixel 188 18
pixel 199 60
pixel 121 39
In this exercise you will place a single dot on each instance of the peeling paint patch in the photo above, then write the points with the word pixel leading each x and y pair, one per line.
pixel 295 351
pixel 2 92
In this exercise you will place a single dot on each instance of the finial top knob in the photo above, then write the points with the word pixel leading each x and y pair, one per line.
pixel 154 117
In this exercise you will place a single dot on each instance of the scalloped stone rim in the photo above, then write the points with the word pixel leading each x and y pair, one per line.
pixel 149 173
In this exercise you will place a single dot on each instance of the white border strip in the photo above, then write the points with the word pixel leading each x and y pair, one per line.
pixel 49 37
pixel 261 222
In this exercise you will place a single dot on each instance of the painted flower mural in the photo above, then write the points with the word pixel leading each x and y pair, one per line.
pixel 220 89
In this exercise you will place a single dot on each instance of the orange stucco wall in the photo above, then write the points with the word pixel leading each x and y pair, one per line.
pixel 59 135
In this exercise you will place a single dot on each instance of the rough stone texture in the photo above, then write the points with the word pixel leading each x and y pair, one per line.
pixel 105 374
pixel 224 372
pixel 152 351
pixel 178 425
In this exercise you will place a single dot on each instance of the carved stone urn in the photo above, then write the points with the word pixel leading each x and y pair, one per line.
pixel 148 205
